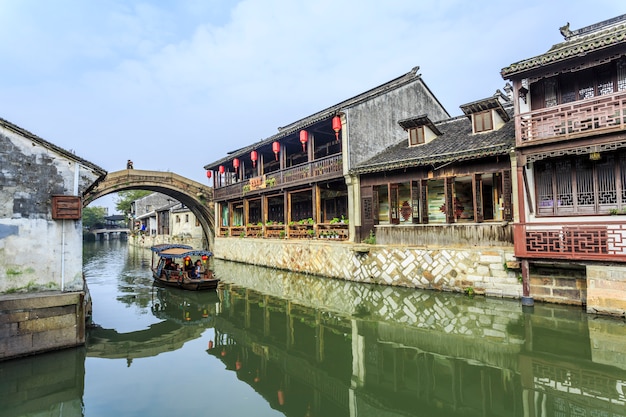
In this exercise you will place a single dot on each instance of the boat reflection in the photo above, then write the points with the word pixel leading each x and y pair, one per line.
pixel 184 314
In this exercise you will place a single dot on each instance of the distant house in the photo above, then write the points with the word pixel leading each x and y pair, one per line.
pixel 570 121
pixel 144 212
pixel 184 223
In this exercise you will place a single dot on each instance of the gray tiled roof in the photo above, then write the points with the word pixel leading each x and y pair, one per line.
pixel 457 143
pixel 603 35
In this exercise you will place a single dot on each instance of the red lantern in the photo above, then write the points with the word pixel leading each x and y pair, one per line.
pixel 204 258
pixel 304 137
pixel 254 156
pixel 276 148
pixel 208 174
pixel 221 169
pixel 236 164
pixel 337 126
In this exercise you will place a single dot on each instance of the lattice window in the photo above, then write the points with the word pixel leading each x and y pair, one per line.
pixel 565 198
pixel 621 75
pixel 545 191
pixel 622 170
pixel 550 92
pixel 607 191
pixel 576 185
pixel 585 194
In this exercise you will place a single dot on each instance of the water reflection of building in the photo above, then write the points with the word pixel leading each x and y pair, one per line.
pixel 52 385
pixel 451 356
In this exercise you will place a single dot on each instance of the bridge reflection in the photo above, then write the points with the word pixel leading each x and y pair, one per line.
pixel 311 346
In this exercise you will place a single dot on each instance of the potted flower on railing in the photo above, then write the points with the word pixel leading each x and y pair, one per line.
pixel 299 229
pixel 274 229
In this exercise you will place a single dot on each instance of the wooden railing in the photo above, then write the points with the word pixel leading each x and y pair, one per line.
pixel 318 170
pixel 572 241
pixel 335 231
pixel 595 115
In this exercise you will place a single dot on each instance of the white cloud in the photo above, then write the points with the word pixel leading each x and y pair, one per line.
pixel 175 86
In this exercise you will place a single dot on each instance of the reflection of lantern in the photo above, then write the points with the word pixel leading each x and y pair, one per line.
pixel 281 397
pixel 208 174
pixel 304 137
pixel 257 378
pixel 221 169
pixel 235 164
pixel 337 126
pixel 223 352
pixel 210 344
pixel 205 313
pixel 276 148
pixel 254 156
pixel 238 364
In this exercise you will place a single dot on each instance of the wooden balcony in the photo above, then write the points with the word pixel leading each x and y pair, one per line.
pixel 572 241
pixel 318 170
pixel 593 116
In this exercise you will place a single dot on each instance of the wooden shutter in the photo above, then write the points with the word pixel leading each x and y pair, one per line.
pixel 507 191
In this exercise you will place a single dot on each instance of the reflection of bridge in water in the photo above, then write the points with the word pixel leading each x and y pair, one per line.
pixel 330 347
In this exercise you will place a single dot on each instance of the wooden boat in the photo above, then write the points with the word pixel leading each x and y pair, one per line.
pixel 168 254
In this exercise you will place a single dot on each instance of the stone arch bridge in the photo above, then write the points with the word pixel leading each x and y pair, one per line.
pixel 196 196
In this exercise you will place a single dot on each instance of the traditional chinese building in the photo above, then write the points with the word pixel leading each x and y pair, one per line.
pixel 295 183
pixel 570 125
pixel 446 183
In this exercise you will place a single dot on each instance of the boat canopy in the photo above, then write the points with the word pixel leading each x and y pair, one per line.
pixel 183 252
pixel 163 246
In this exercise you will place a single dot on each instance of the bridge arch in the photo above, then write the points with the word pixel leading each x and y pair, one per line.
pixel 194 195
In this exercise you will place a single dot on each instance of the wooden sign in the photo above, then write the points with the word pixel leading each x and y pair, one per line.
pixel 66 207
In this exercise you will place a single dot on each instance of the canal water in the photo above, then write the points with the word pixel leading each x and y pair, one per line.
pixel 272 343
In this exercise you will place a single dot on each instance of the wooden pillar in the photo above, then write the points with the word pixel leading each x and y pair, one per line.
pixel 527 300
pixel 477 188
pixel 448 192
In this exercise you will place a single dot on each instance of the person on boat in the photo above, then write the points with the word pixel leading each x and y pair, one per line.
pixel 197 270
pixel 169 264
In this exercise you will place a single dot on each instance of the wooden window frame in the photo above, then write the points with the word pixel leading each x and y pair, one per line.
pixel 483 121
pixel 416 136
pixel 548 178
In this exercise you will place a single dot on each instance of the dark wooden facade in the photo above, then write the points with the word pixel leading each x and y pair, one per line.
pixel 570 122
pixel 455 176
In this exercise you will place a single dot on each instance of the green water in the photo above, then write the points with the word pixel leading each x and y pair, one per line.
pixel 272 343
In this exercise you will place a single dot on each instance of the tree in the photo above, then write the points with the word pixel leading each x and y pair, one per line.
pixel 94 216
pixel 125 198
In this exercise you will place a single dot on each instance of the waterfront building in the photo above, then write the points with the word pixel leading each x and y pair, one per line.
pixel 42 291
pixel 445 182
pixel 570 125
pixel 295 184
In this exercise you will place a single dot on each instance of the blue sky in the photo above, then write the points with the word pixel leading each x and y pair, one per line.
pixel 175 85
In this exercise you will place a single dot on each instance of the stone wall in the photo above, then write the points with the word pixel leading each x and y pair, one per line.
pixel 479 270
pixel 606 289
pixel 40 322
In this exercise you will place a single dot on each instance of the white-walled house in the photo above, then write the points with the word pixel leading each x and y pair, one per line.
pixel 43 296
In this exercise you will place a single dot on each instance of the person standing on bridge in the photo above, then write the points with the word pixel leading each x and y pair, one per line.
pixel 129 164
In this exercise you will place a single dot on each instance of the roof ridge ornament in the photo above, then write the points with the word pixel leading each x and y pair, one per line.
pixel 565 31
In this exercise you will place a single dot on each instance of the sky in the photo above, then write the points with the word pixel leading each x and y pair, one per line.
pixel 175 85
